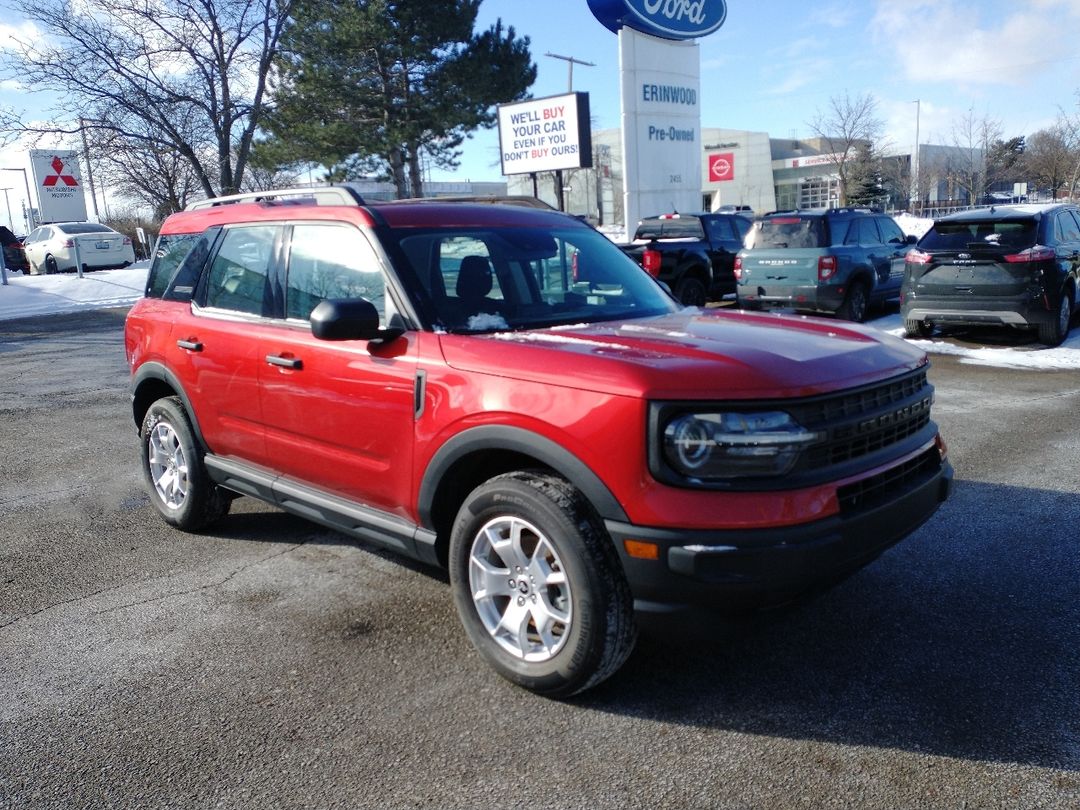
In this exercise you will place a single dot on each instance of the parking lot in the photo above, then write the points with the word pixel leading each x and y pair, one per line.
pixel 273 663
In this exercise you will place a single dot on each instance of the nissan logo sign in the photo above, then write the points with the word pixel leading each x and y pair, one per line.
pixel 670 19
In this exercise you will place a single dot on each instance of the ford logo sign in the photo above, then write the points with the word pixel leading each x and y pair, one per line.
pixel 670 19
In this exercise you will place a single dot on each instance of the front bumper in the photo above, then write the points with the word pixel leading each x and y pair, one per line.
pixel 758 568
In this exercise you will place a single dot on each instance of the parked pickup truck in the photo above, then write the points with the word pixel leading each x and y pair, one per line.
pixel 694 254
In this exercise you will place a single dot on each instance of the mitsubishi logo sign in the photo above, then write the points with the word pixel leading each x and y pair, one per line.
pixel 59 187
pixel 58 167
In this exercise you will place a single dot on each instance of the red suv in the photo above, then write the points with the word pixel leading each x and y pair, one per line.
pixel 501 391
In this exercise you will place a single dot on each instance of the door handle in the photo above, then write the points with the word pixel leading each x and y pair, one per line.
pixel 190 345
pixel 294 363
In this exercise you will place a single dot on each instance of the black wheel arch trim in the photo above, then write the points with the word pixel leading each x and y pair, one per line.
pixel 517 440
pixel 159 372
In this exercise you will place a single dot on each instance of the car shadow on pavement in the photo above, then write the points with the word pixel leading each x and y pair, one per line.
pixel 962 641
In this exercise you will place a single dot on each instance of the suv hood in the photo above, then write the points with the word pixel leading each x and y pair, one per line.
pixel 693 354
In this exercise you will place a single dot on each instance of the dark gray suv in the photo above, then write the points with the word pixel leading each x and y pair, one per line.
pixel 1015 265
pixel 837 260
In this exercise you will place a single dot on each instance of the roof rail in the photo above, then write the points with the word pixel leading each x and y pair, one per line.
pixel 311 195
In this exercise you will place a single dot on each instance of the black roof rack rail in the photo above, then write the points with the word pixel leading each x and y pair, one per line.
pixel 342 194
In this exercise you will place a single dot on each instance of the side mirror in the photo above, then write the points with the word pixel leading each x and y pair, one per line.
pixel 349 319
pixel 911 239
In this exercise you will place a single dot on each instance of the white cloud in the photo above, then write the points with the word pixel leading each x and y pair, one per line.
pixel 957 42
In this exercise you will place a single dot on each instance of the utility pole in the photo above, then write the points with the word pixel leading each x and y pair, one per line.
pixel 570 62
pixel 89 172
pixel 7 205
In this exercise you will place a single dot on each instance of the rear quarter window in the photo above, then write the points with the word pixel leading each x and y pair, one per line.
pixel 170 251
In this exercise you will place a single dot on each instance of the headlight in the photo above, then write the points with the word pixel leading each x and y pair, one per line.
pixel 713 446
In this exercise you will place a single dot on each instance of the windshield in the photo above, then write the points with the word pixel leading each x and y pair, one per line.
pixel 496 279
pixel 788 232
pixel 1015 234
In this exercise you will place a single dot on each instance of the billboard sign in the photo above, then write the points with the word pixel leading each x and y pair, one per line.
pixel 545 134
pixel 670 19
pixel 59 186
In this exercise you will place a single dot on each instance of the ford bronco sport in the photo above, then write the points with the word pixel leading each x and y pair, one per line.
pixel 840 261
pixel 501 391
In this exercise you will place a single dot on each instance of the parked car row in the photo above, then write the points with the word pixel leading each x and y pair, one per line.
pixel 1010 265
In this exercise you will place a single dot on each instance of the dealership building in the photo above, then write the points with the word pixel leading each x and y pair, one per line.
pixel 739 168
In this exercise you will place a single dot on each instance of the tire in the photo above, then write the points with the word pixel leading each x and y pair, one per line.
pixel 568 626
pixel 1052 334
pixel 173 469
pixel 856 303
pixel 51 267
pixel 921 329
pixel 690 292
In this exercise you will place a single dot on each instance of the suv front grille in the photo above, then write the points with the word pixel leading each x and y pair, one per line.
pixel 860 423
pixel 868 492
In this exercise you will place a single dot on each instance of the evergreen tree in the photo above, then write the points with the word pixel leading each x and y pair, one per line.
pixel 369 86
pixel 864 177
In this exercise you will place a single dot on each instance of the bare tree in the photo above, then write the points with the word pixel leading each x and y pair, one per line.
pixel 972 138
pixel 1069 126
pixel 182 75
pixel 1049 159
pixel 846 124
pixel 159 178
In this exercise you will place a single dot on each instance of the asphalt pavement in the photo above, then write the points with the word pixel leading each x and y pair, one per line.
pixel 273 663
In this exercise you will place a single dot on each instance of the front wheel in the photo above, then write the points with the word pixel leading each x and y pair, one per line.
pixel 1053 333
pixel 173 469
pixel 538 585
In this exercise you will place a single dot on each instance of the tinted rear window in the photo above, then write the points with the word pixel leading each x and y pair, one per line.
pixel 83 227
pixel 1018 233
pixel 688 227
pixel 788 232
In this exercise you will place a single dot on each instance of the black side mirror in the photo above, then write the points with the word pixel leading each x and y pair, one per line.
pixel 349 319
pixel 911 239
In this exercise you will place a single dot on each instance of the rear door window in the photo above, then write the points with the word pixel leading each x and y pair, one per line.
pixel 238 277
pixel 1067 230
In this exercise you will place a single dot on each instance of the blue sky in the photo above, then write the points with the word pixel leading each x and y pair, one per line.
pixel 775 63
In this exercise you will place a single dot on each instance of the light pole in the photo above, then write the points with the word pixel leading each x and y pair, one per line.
pixel 915 158
pixel 7 205
pixel 30 224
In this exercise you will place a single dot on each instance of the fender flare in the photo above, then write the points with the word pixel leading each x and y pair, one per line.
pixel 517 440
pixel 153 370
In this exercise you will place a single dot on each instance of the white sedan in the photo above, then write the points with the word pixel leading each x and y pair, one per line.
pixel 53 248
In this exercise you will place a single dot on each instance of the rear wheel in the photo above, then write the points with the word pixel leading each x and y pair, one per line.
pixel 172 464
pixel 1053 333
pixel 51 267
pixel 691 292
pixel 538 585
pixel 921 329
pixel 855 303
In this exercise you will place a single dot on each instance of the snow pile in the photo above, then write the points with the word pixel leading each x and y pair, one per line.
pixel 27 296
pixel 911 224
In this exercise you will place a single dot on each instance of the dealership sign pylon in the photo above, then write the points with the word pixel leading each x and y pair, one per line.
pixel 660 82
